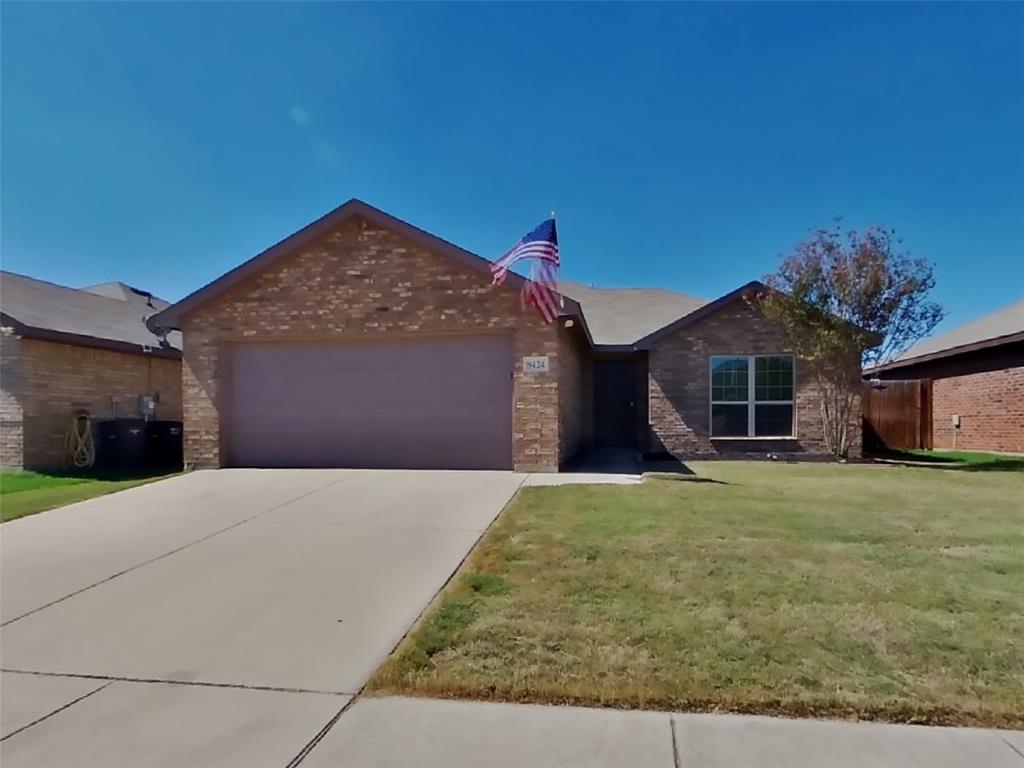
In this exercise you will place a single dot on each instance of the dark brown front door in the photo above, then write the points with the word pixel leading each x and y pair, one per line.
pixel 615 407
pixel 416 403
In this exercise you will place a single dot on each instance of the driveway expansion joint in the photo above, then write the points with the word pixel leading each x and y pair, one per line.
pixel 58 709
pixel 675 743
pixel 1011 746
pixel 176 550
pixel 319 735
pixel 160 681
pixel 374 525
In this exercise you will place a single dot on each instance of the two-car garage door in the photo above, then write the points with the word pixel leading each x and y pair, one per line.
pixel 442 402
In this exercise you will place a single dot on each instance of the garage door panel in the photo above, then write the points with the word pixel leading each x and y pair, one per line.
pixel 426 403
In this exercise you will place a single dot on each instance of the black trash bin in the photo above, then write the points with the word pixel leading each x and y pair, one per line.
pixel 120 444
pixel 163 445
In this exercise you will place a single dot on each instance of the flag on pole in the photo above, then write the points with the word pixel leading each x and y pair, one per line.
pixel 540 245
pixel 541 291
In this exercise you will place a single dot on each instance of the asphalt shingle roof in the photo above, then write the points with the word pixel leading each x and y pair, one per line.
pixel 109 311
pixel 1003 322
pixel 626 315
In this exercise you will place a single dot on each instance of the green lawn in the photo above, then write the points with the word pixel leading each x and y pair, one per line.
pixel 25 493
pixel 883 592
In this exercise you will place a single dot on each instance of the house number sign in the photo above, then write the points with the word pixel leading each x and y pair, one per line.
pixel 536 364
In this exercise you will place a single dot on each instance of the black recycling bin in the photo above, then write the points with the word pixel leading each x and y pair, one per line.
pixel 163 444
pixel 121 444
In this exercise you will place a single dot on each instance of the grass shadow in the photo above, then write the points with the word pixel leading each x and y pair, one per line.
pixel 682 478
pixel 960 461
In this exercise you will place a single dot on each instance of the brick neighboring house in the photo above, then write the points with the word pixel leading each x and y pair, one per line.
pixel 64 349
pixel 361 340
pixel 977 376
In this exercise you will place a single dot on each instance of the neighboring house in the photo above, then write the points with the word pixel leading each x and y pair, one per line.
pixel 66 349
pixel 977 375
pixel 363 341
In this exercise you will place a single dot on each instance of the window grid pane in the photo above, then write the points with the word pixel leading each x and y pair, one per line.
pixel 773 378
pixel 729 380
pixel 729 420
pixel 773 420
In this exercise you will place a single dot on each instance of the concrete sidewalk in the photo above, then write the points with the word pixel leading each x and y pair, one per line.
pixel 451 734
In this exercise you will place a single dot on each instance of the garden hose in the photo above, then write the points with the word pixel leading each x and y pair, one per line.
pixel 79 448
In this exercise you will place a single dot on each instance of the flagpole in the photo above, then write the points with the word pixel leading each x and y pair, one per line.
pixel 561 298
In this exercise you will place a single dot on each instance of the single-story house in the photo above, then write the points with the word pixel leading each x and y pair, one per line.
pixel 977 381
pixel 363 341
pixel 68 349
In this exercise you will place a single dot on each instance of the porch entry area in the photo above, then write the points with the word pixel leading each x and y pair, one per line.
pixel 620 401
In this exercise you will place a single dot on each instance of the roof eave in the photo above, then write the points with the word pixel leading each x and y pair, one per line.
pixel 95 342
pixel 942 354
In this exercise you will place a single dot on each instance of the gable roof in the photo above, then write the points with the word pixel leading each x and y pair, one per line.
pixel 699 313
pixel 1003 326
pixel 615 319
pixel 42 310
pixel 171 317
pixel 619 317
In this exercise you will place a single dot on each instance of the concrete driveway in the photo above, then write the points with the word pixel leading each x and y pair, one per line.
pixel 219 618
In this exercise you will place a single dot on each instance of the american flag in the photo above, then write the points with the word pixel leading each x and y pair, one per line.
pixel 540 245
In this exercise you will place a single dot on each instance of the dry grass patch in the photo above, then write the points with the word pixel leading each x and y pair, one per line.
pixel 882 592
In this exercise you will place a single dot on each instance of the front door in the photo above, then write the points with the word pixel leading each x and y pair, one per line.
pixel 615 407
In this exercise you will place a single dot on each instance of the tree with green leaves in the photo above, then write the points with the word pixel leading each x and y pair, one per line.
pixel 847 300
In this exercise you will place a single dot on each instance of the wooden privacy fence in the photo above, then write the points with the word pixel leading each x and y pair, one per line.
pixel 897 415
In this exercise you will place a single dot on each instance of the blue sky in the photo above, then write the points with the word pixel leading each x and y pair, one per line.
pixel 683 146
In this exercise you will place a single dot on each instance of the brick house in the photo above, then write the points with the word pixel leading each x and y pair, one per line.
pixel 361 340
pixel 66 349
pixel 977 382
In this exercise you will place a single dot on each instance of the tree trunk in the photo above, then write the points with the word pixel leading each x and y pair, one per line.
pixel 836 406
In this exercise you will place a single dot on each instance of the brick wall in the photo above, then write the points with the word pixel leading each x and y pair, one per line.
pixel 679 389
pixel 991 409
pixel 356 281
pixel 52 381
pixel 984 387
pixel 11 394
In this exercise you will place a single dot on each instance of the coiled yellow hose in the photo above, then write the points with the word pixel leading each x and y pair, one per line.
pixel 79 449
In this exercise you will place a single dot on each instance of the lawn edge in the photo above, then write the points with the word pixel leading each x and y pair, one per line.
pixel 795 710
pixel 61 505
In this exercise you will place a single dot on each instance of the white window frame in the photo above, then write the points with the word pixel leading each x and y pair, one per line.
pixel 751 403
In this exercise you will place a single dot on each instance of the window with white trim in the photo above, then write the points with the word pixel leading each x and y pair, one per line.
pixel 752 396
